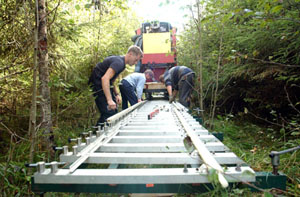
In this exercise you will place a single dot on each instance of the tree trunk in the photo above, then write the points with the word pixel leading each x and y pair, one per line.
pixel 217 81
pixel 97 6
pixel 200 60
pixel 46 124
pixel 217 77
pixel 32 119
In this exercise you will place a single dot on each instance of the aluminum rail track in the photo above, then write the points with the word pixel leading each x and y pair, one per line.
pixel 145 144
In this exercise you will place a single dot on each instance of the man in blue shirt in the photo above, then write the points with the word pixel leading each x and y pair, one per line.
pixel 103 77
pixel 132 86
pixel 180 79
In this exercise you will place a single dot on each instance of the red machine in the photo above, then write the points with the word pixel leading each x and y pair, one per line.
pixel 158 42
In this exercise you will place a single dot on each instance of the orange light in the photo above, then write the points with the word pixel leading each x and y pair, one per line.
pixel 150 185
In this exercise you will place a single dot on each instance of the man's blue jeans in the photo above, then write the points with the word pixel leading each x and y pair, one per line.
pixel 103 107
pixel 128 94
pixel 186 85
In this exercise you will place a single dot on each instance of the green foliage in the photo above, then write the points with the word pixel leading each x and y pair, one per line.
pixel 13 176
pixel 260 57
pixel 213 176
pixel 15 62
pixel 253 144
pixel 79 35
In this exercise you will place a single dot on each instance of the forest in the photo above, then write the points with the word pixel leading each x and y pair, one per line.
pixel 246 55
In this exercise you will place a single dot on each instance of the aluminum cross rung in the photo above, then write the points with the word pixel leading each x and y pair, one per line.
pixel 139 176
pixel 158 139
pixel 154 127
pixel 157 147
pixel 153 158
pixel 155 133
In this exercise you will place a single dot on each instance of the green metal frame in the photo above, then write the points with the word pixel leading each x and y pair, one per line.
pixel 121 188
pixel 264 180
pixel 267 180
pixel 218 135
pixel 198 119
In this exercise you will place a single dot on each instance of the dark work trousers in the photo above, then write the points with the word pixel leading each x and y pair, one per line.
pixel 186 85
pixel 128 94
pixel 102 106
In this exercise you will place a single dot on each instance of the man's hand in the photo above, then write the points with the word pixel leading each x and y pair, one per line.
pixel 105 86
pixel 139 100
pixel 171 99
pixel 118 99
pixel 111 105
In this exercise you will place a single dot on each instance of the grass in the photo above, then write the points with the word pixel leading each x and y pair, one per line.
pixel 253 144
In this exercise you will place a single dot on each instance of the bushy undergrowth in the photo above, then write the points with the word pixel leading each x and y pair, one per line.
pixel 15 181
pixel 16 177
pixel 253 144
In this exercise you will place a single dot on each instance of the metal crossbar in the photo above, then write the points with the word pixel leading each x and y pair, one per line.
pixel 140 142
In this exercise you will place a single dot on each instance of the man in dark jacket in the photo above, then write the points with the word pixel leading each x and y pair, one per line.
pixel 180 79
pixel 103 77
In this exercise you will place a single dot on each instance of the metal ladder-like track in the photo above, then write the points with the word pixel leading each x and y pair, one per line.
pixel 143 145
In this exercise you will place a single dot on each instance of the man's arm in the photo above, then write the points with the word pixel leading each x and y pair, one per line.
pixel 140 87
pixel 106 88
pixel 118 98
pixel 172 94
pixel 169 89
pixel 175 93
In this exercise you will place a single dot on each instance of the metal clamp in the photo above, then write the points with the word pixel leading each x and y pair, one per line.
pixel 64 149
pixel 198 110
pixel 41 166
pixel 275 158
pixel 89 133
